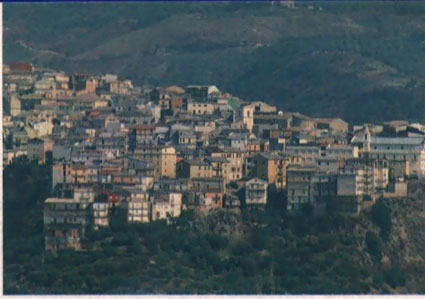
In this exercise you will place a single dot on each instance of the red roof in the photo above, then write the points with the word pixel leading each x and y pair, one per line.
pixel 143 127
pixel 21 67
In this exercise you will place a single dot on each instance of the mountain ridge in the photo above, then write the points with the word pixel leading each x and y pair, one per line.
pixel 358 61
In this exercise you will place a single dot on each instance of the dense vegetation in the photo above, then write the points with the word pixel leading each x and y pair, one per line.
pixel 343 59
pixel 278 253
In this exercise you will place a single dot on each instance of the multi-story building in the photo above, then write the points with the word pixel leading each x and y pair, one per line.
pixel 272 167
pixel 256 191
pixel 395 150
pixel 200 108
pixel 65 220
pixel 299 186
pixel 137 204
pixel 37 149
pixel 197 168
pixel 163 158
pixel 166 205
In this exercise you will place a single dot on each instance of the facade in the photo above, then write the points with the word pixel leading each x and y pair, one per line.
pixel 65 221
pixel 200 108
pixel 256 191
pixel 410 149
pixel 164 160
pixel 299 186
pixel 166 205
pixel 100 211
pixel 37 149
pixel 272 167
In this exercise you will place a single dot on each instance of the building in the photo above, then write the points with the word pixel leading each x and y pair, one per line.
pixel 66 219
pixel 137 205
pixel 309 154
pixel 100 211
pixel 197 168
pixel 37 149
pixel 272 167
pixel 163 158
pixel 166 205
pixel 299 186
pixel 256 191
pixel 198 108
pixel 394 149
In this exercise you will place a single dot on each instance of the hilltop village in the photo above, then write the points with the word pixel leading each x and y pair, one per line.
pixel 148 153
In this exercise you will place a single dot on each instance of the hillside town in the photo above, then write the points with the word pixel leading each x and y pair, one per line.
pixel 143 154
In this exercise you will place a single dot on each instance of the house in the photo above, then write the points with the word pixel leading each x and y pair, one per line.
pixel 272 167
pixel 220 167
pixel 208 193
pixel 333 125
pixel 198 108
pixel 201 92
pixel 197 168
pixel 136 203
pixel 37 149
pixel 256 191
pixel 166 205
pixel 163 158
pixel 65 221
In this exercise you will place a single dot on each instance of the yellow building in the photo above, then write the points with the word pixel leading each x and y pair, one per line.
pixel 272 167
pixel 163 158
pixel 195 169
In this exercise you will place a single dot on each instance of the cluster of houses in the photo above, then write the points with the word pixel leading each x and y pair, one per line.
pixel 142 154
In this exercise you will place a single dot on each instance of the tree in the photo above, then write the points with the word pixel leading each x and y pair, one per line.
pixel 373 245
pixel 381 217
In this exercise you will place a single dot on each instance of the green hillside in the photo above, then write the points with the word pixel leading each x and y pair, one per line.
pixel 256 251
pixel 359 61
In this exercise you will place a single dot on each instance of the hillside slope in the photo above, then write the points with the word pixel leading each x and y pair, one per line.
pixel 359 61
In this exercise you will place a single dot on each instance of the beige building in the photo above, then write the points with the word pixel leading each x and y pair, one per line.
pixel 164 160
pixel 248 112
pixel 138 205
pixel 166 205
pixel 236 159
pixel 196 108
pixel 272 167
pixel 15 106
pixel 195 169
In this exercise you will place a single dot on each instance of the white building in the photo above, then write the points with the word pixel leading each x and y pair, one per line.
pixel 312 154
pixel 394 149
pixel 256 191
pixel 100 211
pixel 166 205
pixel 137 203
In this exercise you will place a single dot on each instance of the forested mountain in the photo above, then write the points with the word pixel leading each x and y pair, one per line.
pixel 360 61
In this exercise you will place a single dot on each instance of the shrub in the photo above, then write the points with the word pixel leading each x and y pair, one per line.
pixel 381 217
pixel 395 277
pixel 373 245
